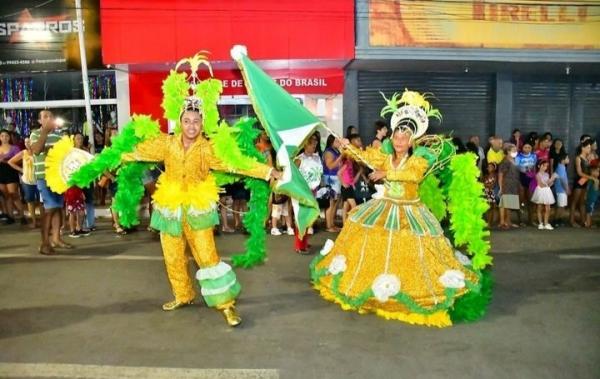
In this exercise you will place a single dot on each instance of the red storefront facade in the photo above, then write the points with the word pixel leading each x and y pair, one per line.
pixel 303 45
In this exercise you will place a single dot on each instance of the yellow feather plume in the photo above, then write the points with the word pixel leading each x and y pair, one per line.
pixel 201 196
pixel 415 98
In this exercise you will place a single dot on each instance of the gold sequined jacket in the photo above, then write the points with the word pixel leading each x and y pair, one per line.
pixel 186 189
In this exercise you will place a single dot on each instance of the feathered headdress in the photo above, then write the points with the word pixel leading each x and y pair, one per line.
pixel 411 112
pixel 183 91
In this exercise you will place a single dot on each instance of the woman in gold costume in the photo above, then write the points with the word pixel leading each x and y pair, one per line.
pixel 391 257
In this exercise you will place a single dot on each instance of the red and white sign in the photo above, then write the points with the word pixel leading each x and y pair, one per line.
pixel 145 94
pixel 317 81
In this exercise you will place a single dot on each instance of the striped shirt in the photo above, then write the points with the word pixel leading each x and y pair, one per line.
pixel 39 160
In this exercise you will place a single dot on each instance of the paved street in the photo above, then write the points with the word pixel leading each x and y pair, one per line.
pixel 95 312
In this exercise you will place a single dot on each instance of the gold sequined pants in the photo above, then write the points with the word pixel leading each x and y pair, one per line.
pixel 202 245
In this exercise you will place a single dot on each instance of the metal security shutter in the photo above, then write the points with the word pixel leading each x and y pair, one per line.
pixel 465 101
pixel 590 92
pixel 542 105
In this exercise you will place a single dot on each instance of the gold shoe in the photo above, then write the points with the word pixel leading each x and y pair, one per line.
pixel 172 305
pixel 233 319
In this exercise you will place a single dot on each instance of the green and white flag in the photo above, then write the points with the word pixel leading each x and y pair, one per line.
pixel 288 125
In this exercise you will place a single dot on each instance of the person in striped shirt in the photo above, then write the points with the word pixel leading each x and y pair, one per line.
pixel 42 140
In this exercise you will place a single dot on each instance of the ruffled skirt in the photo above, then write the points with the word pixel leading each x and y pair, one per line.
pixel 392 259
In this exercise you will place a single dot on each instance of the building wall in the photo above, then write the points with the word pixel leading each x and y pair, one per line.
pixel 548 88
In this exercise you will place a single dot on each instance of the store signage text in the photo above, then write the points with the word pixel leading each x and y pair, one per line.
pixel 65 26
pixel 519 12
pixel 284 82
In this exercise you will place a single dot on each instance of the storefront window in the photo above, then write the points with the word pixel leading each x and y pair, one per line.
pixel 54 90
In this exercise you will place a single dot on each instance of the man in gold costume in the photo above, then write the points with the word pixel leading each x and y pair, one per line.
pixel 185 212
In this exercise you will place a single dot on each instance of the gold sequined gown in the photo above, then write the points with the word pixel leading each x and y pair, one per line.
pixel 391 257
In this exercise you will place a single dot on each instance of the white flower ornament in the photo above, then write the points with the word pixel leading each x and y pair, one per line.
pixel 380 188
pixel 463 259
pixel 326 247
pixel 453 279
pixel 385 286
pixel 337 265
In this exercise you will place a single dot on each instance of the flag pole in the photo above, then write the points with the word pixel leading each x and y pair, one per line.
pixel 350 148
pixel 84 76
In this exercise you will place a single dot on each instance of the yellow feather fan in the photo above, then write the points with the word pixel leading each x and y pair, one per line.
pixel 62 161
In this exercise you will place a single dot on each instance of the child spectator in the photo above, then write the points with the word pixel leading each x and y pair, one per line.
pixel 281 205
pixel 75 204
pixel 526 162
pixel 542 196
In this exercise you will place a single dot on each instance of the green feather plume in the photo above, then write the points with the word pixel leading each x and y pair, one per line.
pixel 209 91
pixel 254 219
pixel 138 129
pixel 234 146
pixel 225 143
pixel 130 190
pixel 432 196
pixel 473 305
pixel 467 207
pixel 175 90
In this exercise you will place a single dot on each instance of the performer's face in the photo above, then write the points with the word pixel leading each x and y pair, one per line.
pixel 401 142
pixel 191 124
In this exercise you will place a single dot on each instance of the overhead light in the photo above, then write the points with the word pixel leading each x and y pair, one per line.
pixel 466 69
pixel 568 70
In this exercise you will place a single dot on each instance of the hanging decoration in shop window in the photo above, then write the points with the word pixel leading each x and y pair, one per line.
pixel 104 116
pixel 17 90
